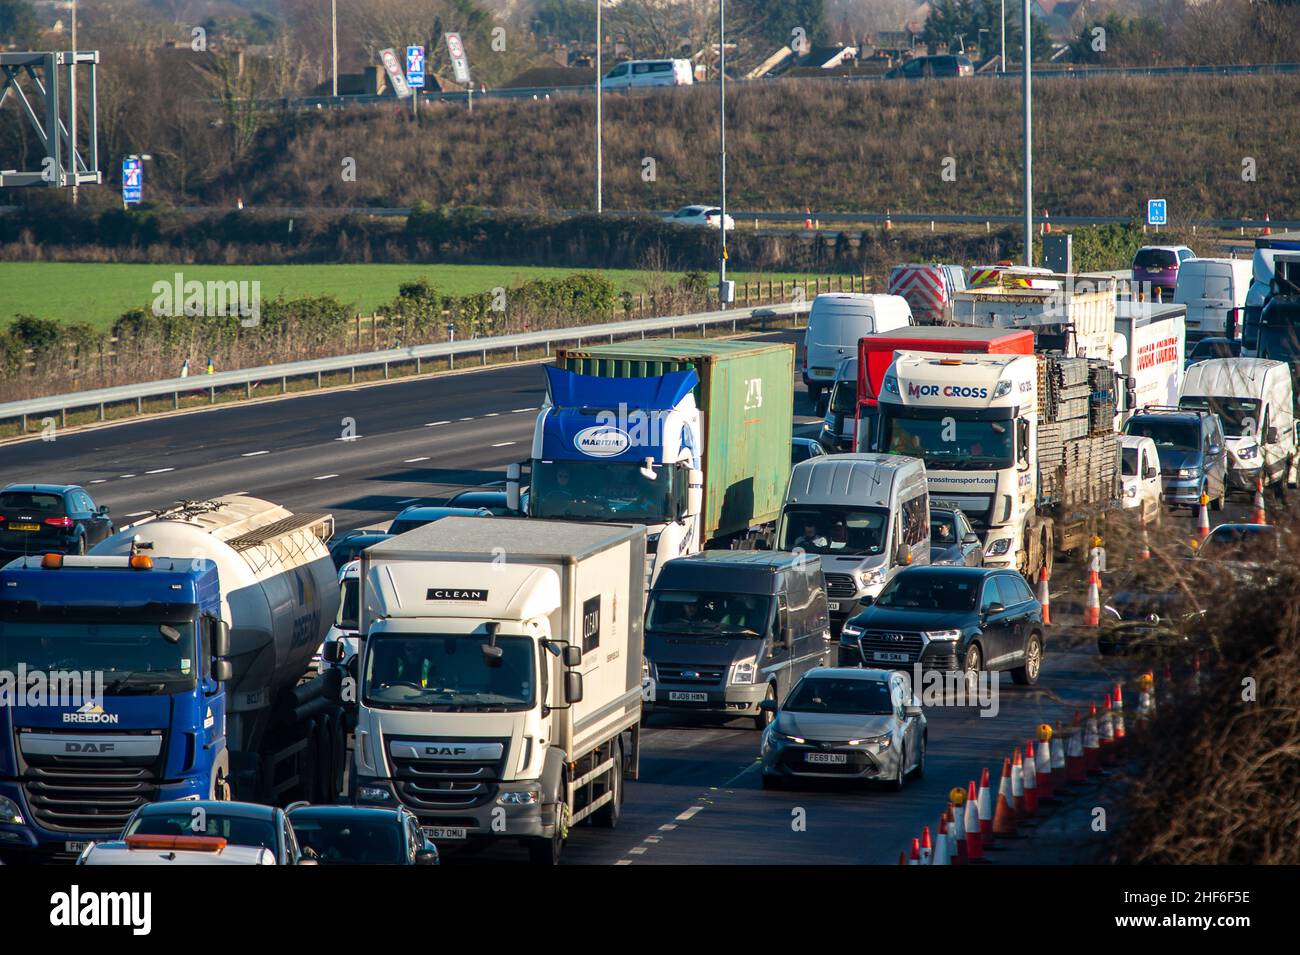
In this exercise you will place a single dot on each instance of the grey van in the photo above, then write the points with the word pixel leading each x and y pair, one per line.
pixel 726 630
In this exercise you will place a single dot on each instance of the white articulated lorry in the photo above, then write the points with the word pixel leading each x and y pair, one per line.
pixel 500 677
pixel 1024 444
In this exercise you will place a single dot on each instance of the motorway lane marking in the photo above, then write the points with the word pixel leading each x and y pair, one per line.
pixel 415 460
pixel 464 419
pixel 684 816
pixel 668 827
pixel 407 500
pixel 521 410
pixel 493 414
pixel 324 477
pixel 434 424
pixel 159 470
pixel 638 850
pixel 98 481
pixel 504 444
pixel 253 454
pixel 126 475
pixel 623 862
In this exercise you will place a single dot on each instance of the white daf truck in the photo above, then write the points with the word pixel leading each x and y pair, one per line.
pixel 500 677
pixel 1032 471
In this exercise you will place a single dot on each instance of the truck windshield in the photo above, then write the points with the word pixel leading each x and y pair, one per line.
pixel 446 671
pixel 833 529
pixel 1169 435
pixel 707 613
pixel 349 601
pixel 133 657
pixel 948 442
pixel 606 491
pixel 1240 416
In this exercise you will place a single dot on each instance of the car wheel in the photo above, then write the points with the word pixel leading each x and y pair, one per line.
pixel 974 659
pixel 764 717
pixel 81 546
pixel 1027 675
pixel 918 772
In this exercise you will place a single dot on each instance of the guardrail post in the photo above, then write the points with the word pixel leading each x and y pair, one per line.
pixel 318 379
pixel 248 389
pixel 139 405
pixel 352 375
pixel 284 384
pixel 64 415
pixel 212 394
pixel 483 357
pixel 418 364
pixel 516 353
pixel 385 371
pixel 101 411
pixel 24 424
pixel 176 400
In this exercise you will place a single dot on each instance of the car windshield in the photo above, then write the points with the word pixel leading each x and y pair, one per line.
pixel 704 613
pixel 844 397
pixel 1128 462
pixel 1154 258
pixel 349 603
pixel 833 529
pixel 943 528
pixel 606 491
pixel 1240 416
pixel 948 442
pixel 930 591
pixel 1255 544
pixel 1168 434
pixel 343 839
pixel 840 695
pixel 133 657
pixel 443 671
pixel 236 830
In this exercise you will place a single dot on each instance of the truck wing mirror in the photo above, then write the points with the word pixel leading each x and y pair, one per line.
pixel 572 656
pixel 1150 473
pixel 333 652
pixel 911 712
pixel 787 637
pixel 220 638
pixel 572 687
pixel 903 557
pixel 222 670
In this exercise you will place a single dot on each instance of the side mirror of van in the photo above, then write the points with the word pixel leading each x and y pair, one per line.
pixel 867 601
pixel 572 656
pixel 1151 472
pixel 787 638
pixel 1271 436
pixel 971 538
pixel 1215 450
pixel 903 556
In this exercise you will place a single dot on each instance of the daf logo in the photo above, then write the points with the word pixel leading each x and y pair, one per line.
pixel 444 751
pixel 88 747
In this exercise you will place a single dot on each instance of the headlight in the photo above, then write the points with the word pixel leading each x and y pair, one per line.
pixel 890 385
pixel 1131 491
pixel 10 813
pixel 850 634
pixel 943 634
pixel 871 578
pixel 1186 472
pixel 744 671
pixel 788 739
pixel 374 794
pixel 882 742
pixel 527 798
pixel 1000 546
pixel 1002 388
pixel 1247 453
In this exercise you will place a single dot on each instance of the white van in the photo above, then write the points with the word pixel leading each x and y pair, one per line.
pixel 866 515
pixel 637 74
pixel 836 322
pixel 1253 399
pixel 1140 485
pixel 1214 291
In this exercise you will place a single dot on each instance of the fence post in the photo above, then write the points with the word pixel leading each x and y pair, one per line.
pixel 284 384
pixel 64 416
pixel 212 394
pixel 176 400
pixel 101 411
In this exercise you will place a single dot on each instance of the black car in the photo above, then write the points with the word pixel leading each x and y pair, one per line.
pixel 348 548
pixel 490 500
pixel 50 518
pixel 1147 615
pixel 356 835
pixel 1208 348
pixel 949 618
pixel 930 67
pixel 417 515
pixel 953 542
pixel 801 449
pixel 239 823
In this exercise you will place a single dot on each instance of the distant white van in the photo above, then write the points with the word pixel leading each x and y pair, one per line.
pixel 643 73
pixel 836 322
pixel 1214 291
pixel 1253 399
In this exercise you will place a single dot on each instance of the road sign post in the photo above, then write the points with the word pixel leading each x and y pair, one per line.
pixel 396 78
pixel 415 75
pixel 132 181
pixel 460 65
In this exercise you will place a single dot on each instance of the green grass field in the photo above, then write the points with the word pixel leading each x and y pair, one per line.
pixel 99 292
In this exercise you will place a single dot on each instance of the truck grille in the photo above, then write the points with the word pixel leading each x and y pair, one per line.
pixel 438 785
pixel 690 673
pixel 840 585
pixel 891 641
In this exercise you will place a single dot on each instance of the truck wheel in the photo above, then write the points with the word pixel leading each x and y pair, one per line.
pixel 547 851
pixel 607 816
pixel 1027 675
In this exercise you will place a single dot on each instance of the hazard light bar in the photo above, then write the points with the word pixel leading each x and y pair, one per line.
pixel 177 843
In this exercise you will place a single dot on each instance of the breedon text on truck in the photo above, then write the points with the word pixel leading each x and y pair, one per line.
pixel 688 438
pixel 202 622
pixel 501 677
pixel 1024 444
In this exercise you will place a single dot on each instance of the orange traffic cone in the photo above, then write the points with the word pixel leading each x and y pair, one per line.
pixel 807 221
pixel 1059 781
pixel 1268 230
pixel 971 825
pixel 915 857
pixel 1017 784
pixel 1117 716
pixel 1257 516
pixel 1203 519
pixel 1091 743
pixel 1004 816
pixel 1047 221
pixel 1030 771
pixel 1106 731
pixel 956 831
pixel 1045 594
pixel 985 808
pixel 902 857
pixel 1092 606
pixel 1076 763
pixel 1144 547
pixel 889 222
pixel 927 847
pixel 941 856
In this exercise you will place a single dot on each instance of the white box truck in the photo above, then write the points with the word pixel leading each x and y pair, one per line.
pixel 500 677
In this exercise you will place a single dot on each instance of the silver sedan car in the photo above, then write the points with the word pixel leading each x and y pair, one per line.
pixel 846 723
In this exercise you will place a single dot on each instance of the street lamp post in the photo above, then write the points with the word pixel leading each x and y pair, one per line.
pixel 600 157
pixel 1002 61
pixel 1029 141
pixel 334 47
pixel 722 150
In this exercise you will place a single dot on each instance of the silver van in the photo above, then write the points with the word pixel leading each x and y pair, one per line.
pixel 866 515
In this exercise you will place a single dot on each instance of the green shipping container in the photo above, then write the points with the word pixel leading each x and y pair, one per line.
pixel 746 401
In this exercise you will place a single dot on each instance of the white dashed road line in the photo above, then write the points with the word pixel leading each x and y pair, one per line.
pixel 434 424
pixel 682 817
pixel 253 454
pixel 504 444
pixel 324 477
pixel 415 460
pixel 139 514
pixel 159 470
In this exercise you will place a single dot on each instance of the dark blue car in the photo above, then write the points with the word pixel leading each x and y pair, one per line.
pixel 949 618
pixel 50 518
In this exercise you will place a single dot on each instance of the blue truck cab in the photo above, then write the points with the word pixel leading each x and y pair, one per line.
pixel 114 699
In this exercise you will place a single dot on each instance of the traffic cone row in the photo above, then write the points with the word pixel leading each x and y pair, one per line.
pixel 1257 515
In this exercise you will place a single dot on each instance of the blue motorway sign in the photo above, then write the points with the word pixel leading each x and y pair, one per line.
pixel 1157 212
pixel 415 66
pixel 132 179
